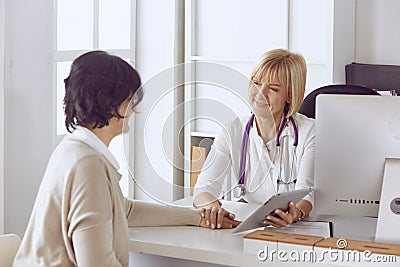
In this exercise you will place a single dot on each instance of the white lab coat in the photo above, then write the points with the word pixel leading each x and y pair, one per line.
pixel 262 161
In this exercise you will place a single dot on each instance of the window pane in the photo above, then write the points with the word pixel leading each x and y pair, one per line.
pixel 74 24
pixel 114 24
pixel 62 73
pixel 230 28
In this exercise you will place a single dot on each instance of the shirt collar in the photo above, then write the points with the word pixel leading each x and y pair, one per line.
pixel 287 130
pixel 88 137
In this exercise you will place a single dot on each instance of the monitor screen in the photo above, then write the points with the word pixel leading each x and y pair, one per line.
pixel 354 135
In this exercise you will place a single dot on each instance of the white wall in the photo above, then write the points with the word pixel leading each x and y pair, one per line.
pixel 2 27
pixel 377 32
pixel 155 53
pixel 28 106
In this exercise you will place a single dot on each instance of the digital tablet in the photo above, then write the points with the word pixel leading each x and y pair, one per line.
pixel 279 201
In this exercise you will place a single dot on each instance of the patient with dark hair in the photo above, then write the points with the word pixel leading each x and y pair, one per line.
pixel 80 217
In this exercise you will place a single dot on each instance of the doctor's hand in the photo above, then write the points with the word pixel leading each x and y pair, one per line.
pixel 217 218
pixel 280 218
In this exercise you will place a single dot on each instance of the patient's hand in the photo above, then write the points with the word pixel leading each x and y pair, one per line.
pixel 280 218
pixel 217 218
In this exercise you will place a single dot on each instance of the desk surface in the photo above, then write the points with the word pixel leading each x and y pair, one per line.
pixel 222 246
pixel 190 243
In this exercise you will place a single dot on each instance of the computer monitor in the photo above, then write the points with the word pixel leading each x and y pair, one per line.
pixel 354 135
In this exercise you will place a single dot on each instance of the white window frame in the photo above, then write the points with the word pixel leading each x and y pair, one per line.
pixel 70 55
pixel 2 89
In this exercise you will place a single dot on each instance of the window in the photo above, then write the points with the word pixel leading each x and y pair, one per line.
pixel 83 25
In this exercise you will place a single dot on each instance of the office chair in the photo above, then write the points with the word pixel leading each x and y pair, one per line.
pixel 308 106
pixel 9 245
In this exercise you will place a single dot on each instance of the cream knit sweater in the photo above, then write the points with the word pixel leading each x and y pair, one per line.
pixel 80 217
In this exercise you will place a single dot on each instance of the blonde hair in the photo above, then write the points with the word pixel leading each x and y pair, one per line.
pixel 289 69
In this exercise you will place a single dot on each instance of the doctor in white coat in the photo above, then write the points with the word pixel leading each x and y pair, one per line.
pixel 274 144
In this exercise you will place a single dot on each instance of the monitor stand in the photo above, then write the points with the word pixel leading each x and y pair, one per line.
pixel 388 226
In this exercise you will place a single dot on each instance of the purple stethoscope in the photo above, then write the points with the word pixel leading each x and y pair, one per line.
pixel 239 190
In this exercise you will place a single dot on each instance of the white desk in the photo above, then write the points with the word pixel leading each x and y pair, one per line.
pixel 190 243
pixel 195 246
pixel 190 246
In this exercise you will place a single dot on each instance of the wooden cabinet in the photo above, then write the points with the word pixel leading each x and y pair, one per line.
pixel 201 145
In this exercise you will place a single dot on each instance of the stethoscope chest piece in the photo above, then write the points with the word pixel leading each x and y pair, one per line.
pixel 239 191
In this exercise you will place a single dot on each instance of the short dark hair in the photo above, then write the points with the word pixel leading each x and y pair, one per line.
pixel 97 85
